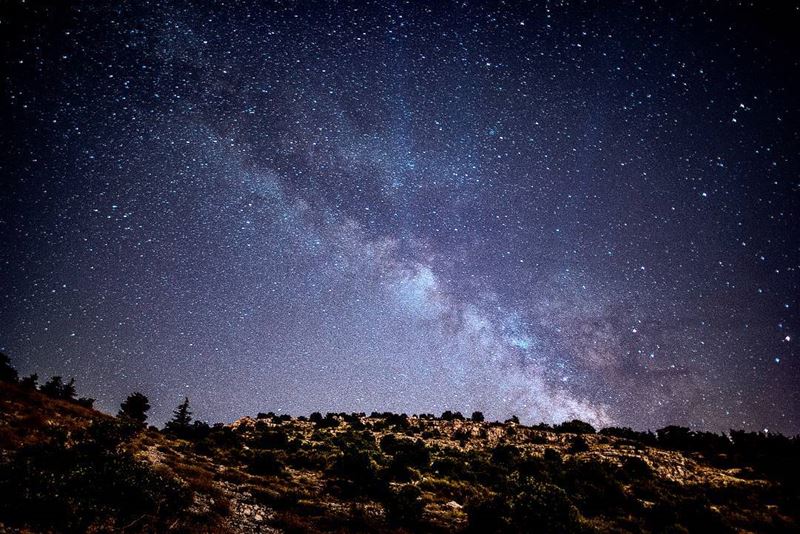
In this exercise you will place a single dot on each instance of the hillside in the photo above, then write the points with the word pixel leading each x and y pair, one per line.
pixel 66 467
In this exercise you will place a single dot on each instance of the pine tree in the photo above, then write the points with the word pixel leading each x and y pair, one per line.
pixel 135 407
pixel 53 387
pixel 181 418
pixel 30 381
pixel 7 373
pixel 68 391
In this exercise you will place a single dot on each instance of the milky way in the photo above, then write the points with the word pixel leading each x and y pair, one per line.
pixel 550 210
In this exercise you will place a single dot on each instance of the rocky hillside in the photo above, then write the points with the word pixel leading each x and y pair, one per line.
pixel 66 467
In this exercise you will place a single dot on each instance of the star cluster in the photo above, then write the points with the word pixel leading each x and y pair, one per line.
pixel 553 210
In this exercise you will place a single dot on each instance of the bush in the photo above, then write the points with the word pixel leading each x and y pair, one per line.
pixel 271 439
pixel 595 486
pixel 635 468
pixel 404 506
pixel 579 444
pixel 505 455
pixel 264 463
pixel 408 452
pixel 646 438
pixel 357 467
pixel 477 417
pixel 576 426
pixel 544 505
pixel 487 515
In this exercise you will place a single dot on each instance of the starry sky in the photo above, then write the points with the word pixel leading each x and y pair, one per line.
pixel 553 210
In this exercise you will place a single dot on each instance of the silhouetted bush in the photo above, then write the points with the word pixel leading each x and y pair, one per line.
pixel 576 426
pixel 646 438
pixel 477 417
pixel 330 421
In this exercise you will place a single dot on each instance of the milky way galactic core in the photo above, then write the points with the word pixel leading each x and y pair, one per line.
pixel 556 210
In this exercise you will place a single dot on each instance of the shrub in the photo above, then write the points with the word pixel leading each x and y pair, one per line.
pixel 406 451
pixel 544 505
pixel 595 486
pixel 404 506
pixel 647 438
pixel 487 515
pixel 264 463
pixel 357 467
pixel 579 444
pixel 505 455
pixel 271 439
pixel 576 426
pixel 635 468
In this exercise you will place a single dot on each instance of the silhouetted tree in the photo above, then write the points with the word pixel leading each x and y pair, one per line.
pixel 85 402
pixel 477 417
pixel 7 373
pixel 181 419
pixel 68 391
pixel 135 407
pixel 30 381
pixel 53 387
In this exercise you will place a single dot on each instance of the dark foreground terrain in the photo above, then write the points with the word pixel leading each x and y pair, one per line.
pixel 66 467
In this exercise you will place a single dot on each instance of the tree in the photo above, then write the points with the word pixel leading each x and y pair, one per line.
pixel 477 417
pixel 53 387
pixel 86 402
pixel 135 407
pixel 181 418
pixel 68 391
pixel 30 381
pixel 7 373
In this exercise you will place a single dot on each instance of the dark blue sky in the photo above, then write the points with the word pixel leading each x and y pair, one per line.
pixel 553 210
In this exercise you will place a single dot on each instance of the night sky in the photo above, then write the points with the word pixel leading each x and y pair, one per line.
pixel 551 210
